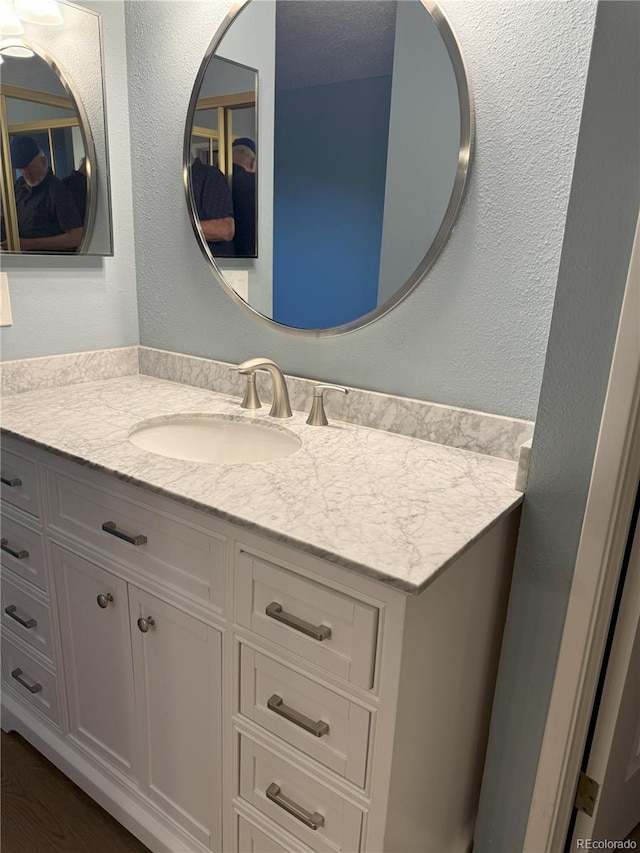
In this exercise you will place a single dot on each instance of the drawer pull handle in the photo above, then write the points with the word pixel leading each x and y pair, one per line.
pixel 276 705
pixel 11 481
pixel 318 632
pixel 26 623
pixel 103 600
pixel 19 555
pixel 313 821
pixel 110 527
pixel 145 623
pixel 32 688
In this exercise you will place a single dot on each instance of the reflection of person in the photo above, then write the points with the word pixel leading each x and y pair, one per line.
pixel 48 219
pixel 214 207
pixel 76 181
pixel 244 196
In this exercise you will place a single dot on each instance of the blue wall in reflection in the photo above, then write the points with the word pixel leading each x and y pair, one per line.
pixel 329 180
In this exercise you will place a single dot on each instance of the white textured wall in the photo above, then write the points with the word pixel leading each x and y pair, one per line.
pixel 73 304
pixel 474 332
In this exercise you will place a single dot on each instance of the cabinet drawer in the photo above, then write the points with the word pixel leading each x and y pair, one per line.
pixel 19 483
pixel 277 788
pixel 283 606
pixel 26 616
pixel 254 840
pixel 171 549
pixel 23 552
pixel 308 715
pixel 29 679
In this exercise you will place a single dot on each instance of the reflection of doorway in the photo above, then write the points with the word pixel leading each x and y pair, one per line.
pixel 52 120
pixel 219 120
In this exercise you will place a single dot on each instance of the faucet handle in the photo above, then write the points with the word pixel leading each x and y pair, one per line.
pixel 251 400
pixel 317 416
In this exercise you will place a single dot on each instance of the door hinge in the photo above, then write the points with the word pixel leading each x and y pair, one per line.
pixel 587 794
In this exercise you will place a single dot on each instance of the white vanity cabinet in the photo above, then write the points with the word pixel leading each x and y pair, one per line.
pixel 142 726
pixel 221 691
pixel 30 662
pixel 143 683
pixel 96 642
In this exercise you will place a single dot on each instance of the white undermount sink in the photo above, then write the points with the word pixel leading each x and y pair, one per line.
pixel 214 438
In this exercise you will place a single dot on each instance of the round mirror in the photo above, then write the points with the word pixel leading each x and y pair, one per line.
pixel 48 205
pixel 327 149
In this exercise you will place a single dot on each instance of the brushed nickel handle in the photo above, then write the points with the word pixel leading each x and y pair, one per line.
pixel 318 632
pixel 11 610
pixel 317 415
pixel 319 728
pixel 251 400
pixel 19 555
pixel 32 688
pixel 110 527
pixel 11 481
pixel 312 820
pixel 103 600
pixel 144 623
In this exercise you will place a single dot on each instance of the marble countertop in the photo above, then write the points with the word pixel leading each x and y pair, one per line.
pixel 394 508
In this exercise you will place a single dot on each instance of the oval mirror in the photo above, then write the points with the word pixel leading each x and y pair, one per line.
pixel 48 203
pixel 327 150
pixel 52 90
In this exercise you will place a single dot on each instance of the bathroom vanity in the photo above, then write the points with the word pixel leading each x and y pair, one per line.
pixel 295 655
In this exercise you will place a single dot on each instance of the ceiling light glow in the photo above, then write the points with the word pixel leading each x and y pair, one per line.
pixel 44 12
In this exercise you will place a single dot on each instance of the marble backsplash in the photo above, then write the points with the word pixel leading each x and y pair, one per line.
pixel 493 435
pixel 53 371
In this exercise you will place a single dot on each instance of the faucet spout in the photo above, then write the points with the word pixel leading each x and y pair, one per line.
pixel 280 408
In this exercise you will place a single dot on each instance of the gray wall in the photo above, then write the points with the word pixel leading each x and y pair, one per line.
pixel 474 332
pixel 601 221
pixel 70 304
pixel 424 139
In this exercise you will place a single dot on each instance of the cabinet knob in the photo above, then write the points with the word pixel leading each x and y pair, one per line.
pixel 103 600
pixel 144 623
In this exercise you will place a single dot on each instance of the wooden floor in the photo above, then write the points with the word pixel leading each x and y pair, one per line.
pixel 44 812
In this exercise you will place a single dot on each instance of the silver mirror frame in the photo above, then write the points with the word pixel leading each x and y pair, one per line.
pixel 99 209
pixel 463 171
pixel 87 138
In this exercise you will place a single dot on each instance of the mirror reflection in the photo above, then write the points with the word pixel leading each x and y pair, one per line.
pixel 224 159
pixel 365 130
pixel 45 201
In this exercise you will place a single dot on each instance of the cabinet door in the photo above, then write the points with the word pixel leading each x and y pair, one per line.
pixel 177 666
pixel 96 644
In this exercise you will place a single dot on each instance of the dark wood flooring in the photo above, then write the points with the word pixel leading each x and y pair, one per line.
pixel 44 812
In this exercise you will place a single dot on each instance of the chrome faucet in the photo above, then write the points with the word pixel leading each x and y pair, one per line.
pixel 280 408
